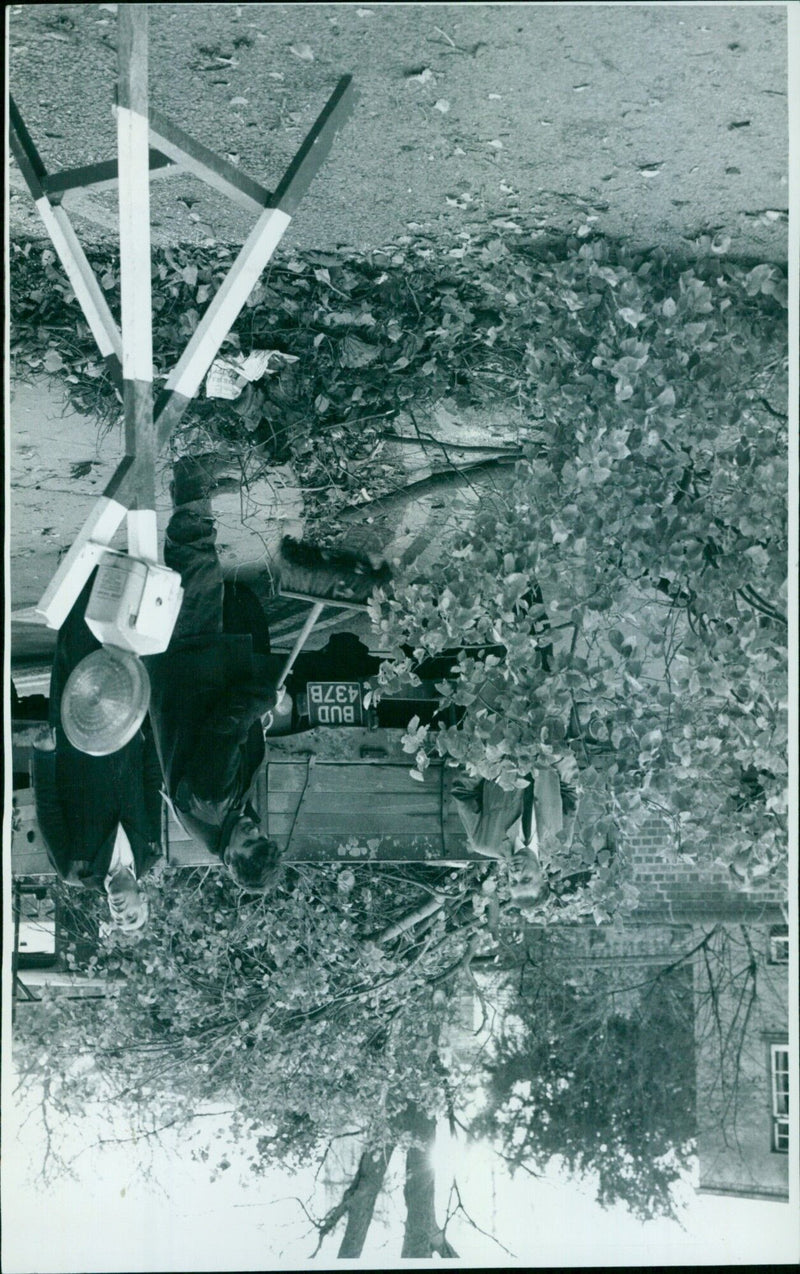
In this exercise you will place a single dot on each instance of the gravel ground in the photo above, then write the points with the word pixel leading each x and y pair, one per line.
pixel 660 122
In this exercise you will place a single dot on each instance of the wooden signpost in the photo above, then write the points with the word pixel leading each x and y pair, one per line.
pixel 148 143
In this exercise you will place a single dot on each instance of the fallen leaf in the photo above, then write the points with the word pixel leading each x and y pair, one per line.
pixel 302 51
pixel 357 353
pixel 53 361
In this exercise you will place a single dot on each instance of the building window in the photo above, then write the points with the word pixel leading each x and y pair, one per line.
pixel 779 944
pixel 780 1098
pixel 36 924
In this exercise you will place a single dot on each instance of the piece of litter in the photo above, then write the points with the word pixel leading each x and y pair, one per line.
pixel 442 105
pixel 256 363
pixel 302 51
pixel 495 97
pixel 579 88
pixel 364 13
pixel 495 145
pixel 228 376
pixel 238 101
pixel 425 76
pixel 224 380
pixel 459 151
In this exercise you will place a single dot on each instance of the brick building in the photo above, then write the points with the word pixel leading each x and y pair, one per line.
pixel 675 890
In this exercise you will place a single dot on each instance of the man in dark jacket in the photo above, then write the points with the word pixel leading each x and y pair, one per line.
pixel 210 693
pixel 100 816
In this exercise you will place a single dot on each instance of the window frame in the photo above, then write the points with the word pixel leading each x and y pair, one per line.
pixel 779 1066
pixel 779 942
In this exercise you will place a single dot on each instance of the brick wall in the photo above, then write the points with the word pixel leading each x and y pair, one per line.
pixel 673 890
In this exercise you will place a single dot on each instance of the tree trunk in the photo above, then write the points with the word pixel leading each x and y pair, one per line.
pixel 422 1236
pixel 362 1196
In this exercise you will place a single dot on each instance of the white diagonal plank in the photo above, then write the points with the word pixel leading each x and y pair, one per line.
pixel 187 375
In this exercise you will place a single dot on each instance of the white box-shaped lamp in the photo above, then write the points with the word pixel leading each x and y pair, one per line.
pixel 134 604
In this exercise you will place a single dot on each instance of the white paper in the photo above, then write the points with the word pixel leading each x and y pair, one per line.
pixel 256 364
pixel 224 380
pixel 228 376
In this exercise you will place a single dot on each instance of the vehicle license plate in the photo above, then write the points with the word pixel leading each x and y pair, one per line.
pixel 335 703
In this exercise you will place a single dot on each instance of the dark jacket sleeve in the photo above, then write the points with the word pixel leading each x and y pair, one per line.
pixel 75 641
pixel 213 770
pixel 50 811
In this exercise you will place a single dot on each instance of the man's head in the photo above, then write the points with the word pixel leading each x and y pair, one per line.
pixel 127 902
pixel 252 858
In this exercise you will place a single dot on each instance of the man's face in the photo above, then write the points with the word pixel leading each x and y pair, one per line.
pixel 128 905
pixel 244 835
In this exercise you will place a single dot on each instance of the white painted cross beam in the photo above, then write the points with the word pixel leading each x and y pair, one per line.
pixel 88 291
pixel 129 352
pixel 202 348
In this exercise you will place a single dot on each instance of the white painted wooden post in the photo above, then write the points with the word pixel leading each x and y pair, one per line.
pixel 133 161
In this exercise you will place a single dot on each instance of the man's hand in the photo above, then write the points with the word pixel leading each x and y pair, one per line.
pixel 45 740
pixel 282 709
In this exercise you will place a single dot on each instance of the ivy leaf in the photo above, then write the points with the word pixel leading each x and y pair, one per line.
pixel 357 353
pixel 53 361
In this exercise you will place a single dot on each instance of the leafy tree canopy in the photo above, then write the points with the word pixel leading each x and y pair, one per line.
pixel 601 1081
pixel 635 565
